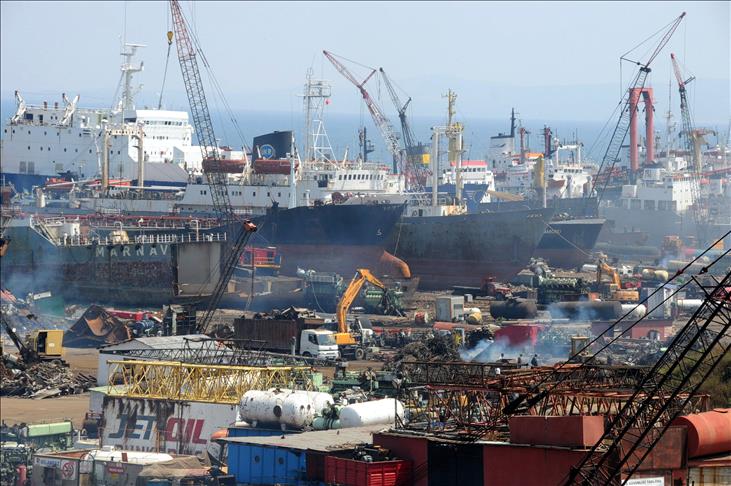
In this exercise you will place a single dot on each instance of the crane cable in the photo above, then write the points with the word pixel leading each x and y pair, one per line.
pixel 165 73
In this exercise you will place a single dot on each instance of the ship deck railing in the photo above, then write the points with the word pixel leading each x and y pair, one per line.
pixel 79 240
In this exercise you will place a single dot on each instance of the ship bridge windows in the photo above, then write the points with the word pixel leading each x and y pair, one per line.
pixel 29 116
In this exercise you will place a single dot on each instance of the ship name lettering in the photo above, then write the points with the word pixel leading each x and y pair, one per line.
pixel 125 251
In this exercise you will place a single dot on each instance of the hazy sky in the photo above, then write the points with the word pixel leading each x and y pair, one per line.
pixel 556 60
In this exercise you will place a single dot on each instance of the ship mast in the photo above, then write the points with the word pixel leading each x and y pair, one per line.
pixel 317 143
pixel 126 100
pixel 455 147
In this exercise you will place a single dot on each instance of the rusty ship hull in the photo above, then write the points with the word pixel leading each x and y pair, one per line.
pixel 152 271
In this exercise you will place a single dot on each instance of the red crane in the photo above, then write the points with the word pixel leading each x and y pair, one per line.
pixel 629 110
pixel 384 126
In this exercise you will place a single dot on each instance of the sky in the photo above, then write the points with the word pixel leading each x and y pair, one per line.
pixel 551 60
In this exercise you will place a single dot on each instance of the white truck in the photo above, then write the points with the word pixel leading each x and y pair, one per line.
pixel 288 336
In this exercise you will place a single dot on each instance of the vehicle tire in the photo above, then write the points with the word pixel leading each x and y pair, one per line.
pixel 307 354
pixel 360 354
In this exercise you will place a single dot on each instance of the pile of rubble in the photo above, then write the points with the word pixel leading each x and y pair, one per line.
pixel 41 380
pixel 435 348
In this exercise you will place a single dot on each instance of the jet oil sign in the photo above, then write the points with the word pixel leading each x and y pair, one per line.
pixel 163 425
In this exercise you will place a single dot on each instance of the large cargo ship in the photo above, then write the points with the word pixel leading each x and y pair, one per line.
pixel 445 251
pixel 114 269
pixel 329 238
pixel 570 236
pixel 132 264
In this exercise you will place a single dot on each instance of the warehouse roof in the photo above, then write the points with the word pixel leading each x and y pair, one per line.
pixel 320 440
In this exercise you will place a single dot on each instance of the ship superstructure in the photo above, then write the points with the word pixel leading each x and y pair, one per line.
pixel 54 140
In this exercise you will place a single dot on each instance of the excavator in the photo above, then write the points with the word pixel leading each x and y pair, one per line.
pixel 344 336
pixel 616 291
pixel 40 345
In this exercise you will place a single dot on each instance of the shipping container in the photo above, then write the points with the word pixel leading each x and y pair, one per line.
pixel 348 472
pixel 276 334
pixel 164 425
pixel 257 464
pixel 459 464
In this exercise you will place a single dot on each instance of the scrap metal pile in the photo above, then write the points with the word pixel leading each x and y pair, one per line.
pixel 41 380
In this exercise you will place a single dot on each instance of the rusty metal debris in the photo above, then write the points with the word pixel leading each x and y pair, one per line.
pixel 41 380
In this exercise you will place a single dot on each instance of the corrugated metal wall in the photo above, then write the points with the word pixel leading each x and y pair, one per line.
pixel 709 476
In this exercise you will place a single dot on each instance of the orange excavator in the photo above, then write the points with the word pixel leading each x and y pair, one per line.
pixel 616 292
pixel 344 336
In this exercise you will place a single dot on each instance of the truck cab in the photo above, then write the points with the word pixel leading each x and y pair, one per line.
pixel 318 343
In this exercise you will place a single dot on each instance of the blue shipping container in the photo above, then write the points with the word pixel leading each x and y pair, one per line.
pixel 257 464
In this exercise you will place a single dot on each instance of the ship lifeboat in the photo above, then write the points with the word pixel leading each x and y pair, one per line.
pixel 271 166
pixel 224 166
pixel 58 184
pixel 556 183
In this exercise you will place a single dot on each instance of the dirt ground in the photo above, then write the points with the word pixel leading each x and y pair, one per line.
pixel 16 410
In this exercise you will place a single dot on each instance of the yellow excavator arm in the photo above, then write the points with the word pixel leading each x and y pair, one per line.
pixel 362 275
pixel 604 268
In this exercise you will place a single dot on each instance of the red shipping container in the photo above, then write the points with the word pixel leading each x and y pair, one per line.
pixel 565 431
pixel 519 334
pixel 348 472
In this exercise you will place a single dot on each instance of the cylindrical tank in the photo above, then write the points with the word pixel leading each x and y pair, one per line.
pixel 708 432
pixel 654 275
pixel 474 316
pixel 320 401
pixel 674 265
pixel 514 309
pixel 375 412
pixel 688 305
pixel 588 268
pixel 638 311
pixel 284 407
pixel 586 310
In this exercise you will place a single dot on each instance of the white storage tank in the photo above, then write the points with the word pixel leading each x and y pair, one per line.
pixel 375 412
pixel 319 400
pixel 638 311
pixel 688 305
pixel 287 408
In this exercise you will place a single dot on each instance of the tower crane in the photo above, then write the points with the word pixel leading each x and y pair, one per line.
pixel 628 111
pixel 415 172
pixel 216 174
pixel 380 120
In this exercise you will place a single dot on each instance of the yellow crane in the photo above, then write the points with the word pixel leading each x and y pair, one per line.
pixel 362 275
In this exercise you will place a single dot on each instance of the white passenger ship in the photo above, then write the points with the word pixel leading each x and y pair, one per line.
pixel 63 140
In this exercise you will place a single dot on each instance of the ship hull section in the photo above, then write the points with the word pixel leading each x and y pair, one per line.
pixel 568 244
pixel 445 251
pixel 330 238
